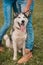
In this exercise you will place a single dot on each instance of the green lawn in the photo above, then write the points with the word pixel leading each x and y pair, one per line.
pixel 6 56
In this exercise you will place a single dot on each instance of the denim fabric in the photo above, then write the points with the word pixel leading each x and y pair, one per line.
pixel 7 18
pixel 18 7
pixel 30 33
pixel 24 2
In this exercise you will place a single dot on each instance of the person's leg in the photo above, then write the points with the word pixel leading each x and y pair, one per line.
pixel 7 18
pixel 30 33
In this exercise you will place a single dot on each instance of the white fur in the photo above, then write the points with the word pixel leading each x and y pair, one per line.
pixel 8 42
pixel 6 38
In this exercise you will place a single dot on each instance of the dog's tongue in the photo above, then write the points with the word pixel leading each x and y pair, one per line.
pixel 22 28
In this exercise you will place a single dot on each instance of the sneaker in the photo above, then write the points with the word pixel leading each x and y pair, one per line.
pixel 25 58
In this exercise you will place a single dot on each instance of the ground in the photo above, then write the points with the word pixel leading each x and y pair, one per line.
pixel 6 56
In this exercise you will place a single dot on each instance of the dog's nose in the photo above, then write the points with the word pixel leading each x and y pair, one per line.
pixel 23 21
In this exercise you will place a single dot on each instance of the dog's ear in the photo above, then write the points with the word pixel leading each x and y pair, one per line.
pixel 15 15
pixel 28 13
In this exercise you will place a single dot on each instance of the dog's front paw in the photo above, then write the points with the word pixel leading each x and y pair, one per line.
pixel 14 58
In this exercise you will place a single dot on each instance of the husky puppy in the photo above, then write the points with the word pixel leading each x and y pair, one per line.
pixel 18 34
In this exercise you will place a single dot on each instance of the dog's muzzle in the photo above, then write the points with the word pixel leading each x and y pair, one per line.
pixel 23 22
pixel 22 27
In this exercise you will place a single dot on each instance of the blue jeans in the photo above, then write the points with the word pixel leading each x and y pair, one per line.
pixel 17 6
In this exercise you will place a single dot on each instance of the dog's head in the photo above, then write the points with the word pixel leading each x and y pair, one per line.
pixel 21 21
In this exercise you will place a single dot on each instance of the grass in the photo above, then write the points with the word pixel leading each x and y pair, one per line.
pixel 6 56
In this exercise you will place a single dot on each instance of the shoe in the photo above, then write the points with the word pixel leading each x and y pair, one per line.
pixel 25 58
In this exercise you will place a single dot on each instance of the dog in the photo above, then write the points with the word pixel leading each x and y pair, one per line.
pixel 18 34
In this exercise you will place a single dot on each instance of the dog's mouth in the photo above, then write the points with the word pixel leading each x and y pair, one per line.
pixel 21 27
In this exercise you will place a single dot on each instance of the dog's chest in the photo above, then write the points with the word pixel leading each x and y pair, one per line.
pixel 20 37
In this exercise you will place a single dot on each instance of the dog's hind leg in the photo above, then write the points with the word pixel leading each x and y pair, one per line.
pixel 7 41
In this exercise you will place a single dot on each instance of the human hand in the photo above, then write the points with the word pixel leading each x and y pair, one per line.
pixel 26 9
